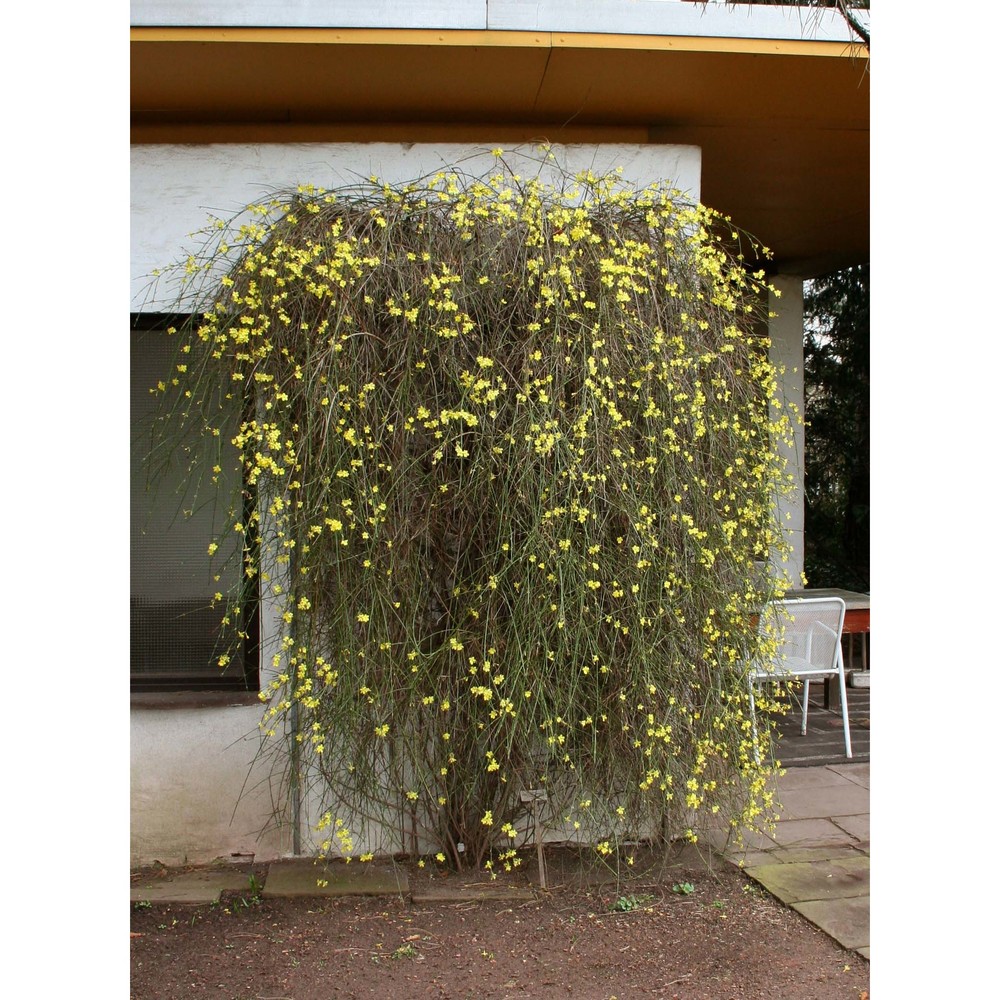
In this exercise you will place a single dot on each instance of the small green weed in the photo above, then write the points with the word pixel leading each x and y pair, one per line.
pixel 626 904
pixel 142 904
pixel 405 951
pixel 682 888
pixel 252 898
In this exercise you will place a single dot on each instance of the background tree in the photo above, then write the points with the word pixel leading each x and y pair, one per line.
pixel 837 435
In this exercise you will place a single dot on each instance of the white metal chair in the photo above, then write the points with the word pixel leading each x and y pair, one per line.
pixel 808 634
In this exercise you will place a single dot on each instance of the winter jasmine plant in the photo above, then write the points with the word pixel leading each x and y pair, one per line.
pixel 510 455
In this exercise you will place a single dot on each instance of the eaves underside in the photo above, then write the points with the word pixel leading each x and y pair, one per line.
pixel 371 74
pixel 772 116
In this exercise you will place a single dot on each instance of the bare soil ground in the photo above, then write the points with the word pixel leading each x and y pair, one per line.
pixel 681 932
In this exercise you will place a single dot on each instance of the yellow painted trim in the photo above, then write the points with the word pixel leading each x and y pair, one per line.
pixel 498 39
pixel 687 43
pixel 346 36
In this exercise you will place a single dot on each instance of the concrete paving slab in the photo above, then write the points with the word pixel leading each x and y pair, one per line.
pixel 858 827
pixel 811 761
pixel 751 858
pixel 724 841
pixel 845 920
pixel 811 833
pixel 305 877
pixel 830 800
pixel 866 951
pixel 189 887
pixel 817 858
pixel 813 777
pixel 811 880
pixel 858 773
pixel 474 894
pixel 794 855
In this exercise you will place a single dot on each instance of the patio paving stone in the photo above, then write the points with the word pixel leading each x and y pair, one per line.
pixel 188 887
pixel 816 802
pixel 796 778
pixel 468 894
pixel 858 773
pixel 846 919
pixel 811 833
pixel 798 855
pixel 799 882
pixel 858 826
pixel 302 877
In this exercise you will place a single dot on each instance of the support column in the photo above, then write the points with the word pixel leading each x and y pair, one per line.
pixel 786 331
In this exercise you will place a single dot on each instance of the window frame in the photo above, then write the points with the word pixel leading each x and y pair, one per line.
pixel 225 680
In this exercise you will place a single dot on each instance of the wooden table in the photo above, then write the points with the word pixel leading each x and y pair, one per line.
pixel 857 622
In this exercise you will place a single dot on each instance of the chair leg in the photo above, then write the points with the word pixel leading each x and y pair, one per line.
pixel 843 705
pixel 805 705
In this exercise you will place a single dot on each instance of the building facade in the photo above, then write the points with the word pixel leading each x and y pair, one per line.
pixel 761 113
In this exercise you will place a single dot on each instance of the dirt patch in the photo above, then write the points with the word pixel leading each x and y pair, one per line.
pixel 681 931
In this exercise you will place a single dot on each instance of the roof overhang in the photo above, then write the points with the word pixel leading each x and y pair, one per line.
pixel 783 124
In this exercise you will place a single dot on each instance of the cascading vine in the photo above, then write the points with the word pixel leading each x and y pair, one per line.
pixel 512 449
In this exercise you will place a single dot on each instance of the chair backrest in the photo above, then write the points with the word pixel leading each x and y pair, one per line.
pixel 807 631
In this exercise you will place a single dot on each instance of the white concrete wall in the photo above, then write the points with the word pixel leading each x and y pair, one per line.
pixel 175 188
pixel 193 796
pixel 653 17
pixel 190 766
pixel 786 330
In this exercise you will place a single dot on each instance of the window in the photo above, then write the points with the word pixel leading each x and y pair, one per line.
pixel 177 635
